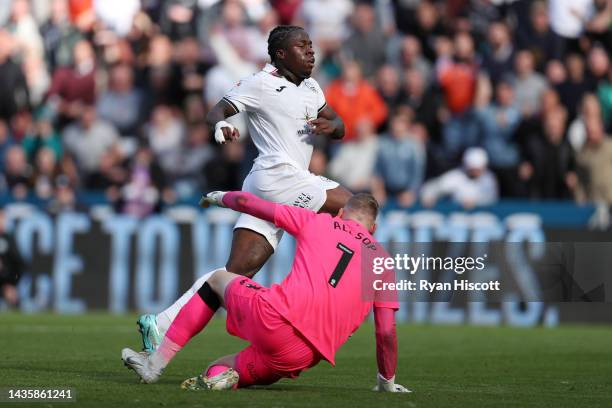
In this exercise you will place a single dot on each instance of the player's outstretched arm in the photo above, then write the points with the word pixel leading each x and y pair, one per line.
pixel 386 350
pixel 291 219
pixel 224 131
pixel 241 201
pixel 328 123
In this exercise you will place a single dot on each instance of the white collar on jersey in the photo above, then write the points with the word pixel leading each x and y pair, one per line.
pixel 270 69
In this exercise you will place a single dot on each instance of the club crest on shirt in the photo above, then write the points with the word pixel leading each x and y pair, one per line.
pixel 307 117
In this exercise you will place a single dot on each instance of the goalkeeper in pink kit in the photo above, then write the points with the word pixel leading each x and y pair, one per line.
pixel 297 323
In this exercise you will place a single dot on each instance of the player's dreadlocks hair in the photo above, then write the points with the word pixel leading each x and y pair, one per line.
pixel 277 40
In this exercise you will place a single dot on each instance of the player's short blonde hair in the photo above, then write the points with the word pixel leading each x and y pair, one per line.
pixel 365 204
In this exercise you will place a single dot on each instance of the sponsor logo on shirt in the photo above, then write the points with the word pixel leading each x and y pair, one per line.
pixel 307 130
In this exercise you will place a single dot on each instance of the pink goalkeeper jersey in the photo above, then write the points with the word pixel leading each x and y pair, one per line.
pixel 322 295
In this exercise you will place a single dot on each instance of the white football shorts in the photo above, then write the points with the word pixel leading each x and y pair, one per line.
pixel 283 184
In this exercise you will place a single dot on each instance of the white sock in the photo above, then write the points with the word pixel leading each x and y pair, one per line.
pixel 165 318
pixel 162 356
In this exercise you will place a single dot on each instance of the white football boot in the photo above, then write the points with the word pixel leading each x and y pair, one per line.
pixel 141 363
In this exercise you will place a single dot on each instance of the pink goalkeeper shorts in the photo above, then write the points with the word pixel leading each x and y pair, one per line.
pixel 277 350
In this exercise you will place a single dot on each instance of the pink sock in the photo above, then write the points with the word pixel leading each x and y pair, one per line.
pixel 164 353
pixel 216 370
pixel 192 318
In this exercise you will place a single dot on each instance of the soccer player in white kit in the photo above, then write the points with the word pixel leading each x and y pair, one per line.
pixel 285 110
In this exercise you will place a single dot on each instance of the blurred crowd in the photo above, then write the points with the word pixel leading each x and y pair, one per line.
pixel 472 100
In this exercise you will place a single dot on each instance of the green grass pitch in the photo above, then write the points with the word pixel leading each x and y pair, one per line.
pixel 445 366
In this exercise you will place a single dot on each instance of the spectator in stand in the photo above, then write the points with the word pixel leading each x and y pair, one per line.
pixel 576 133
pixel 567 20
pixel 354 99
pixel 82 14
pixel 598 26
pixel 13 87
pixel 427 27
pixel 146 185
pixel 499 121
pixel 400 163
pixel 88 140
pixel 286 9
pixel 37 78
pixel 110 173
pixel 178 18
pixel 549 168
pixel 389 86
pixel 44 136
pixel 116 15
pixel 74 88
pixel 529 85
pixel 25 31
pixel 412 58
pixel 326 22
pixel 64 198
pixel 120 103
pixel 22 124
pixel 556 73
pixel 191 69
pixel 595 165
pixel 165 134
pixel 423 100
pixel 343 167
pixel 573 89
pixel 59 36
pixel 457 72
pixel 404 15
pixel 599 64
pixel 159 76
pixel 223 170
pixel 237 45
pixel 194 109
pixel 188 179
pixel 17 172
pixel 471 185
pixel 364 45
pixel 533 127
pixel 499 58
pixel 46 171
pixel 544 44
pixel 477 16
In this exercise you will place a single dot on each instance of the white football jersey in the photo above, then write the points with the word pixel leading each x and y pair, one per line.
pixel 278 112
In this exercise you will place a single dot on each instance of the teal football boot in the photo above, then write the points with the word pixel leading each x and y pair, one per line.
pixel 151 337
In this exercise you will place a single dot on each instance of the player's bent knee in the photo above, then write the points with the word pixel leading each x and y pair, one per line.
pixel 250 251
